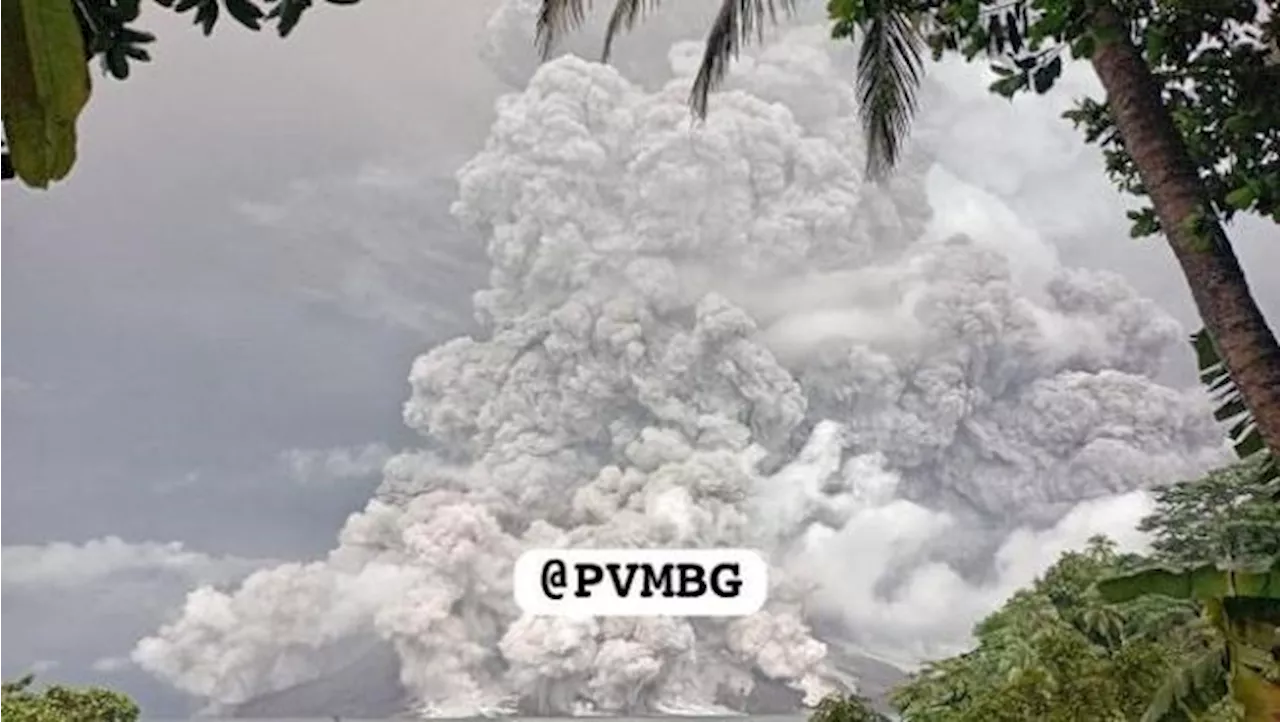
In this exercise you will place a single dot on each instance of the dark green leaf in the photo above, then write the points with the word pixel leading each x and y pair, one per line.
pixel 245 13
pixel 1045 75
pixel 1241 198
pixel 207 16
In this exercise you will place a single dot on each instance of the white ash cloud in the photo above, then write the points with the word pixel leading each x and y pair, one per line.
pixel 324 466
pixel 111 665
pixel 61 565
pixel 379 245
pixel 721 337
pixel 64 591
pixel 43 666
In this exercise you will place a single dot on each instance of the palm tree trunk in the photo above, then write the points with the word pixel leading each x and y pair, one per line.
pixel 1233 320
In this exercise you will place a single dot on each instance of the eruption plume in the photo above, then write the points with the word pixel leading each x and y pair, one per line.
pixel 721 336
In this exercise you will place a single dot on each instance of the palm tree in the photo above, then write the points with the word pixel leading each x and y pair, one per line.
pixel 1171 178
pixel 889 63
pixel 888 76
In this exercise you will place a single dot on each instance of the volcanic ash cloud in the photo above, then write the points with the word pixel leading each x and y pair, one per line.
pixel 718 336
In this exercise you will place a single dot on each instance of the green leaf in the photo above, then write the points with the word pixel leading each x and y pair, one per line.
pixel 1212 371
pixel 1191 689
pixel 1214 374
pixel 1250 444
pixel 117 62
pixel 1015 37
pixel 45 86
pixel 1082 47
pixel 289 13
pixel 1231 409
pixel 1238 123
pixel 245 13
pixel 889 74
pixel 1157 42
pixel 1241 198
pixel 1044 76
pixel 1145 223
pixel 1202 582
pixel 1009 86
pixel 207 16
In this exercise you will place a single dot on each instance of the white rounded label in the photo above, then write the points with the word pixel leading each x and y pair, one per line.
pixel 641 582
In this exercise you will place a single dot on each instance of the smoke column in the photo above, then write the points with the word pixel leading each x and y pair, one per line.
pixel 721 336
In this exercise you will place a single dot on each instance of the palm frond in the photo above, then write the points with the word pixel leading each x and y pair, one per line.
pixel 556 19
pixel 624 17
pixel 889 73
pixel 736 23
pixel 1232 410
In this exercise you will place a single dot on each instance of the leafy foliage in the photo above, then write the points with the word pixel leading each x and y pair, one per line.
pixel 56 703
pixel 1221 83
pixel 1202 582
pixel 45 86
pixel 1215 65
pixel 1103 636
pixel 45 80
pixel 842 708
pixel 1232 519
pixel 1242 606
pixel 1057 652
pixel 1227 515
pixel 1231 409
pixel 1191 691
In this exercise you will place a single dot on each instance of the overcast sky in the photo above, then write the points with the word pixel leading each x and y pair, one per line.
pixel 208 326
pixel 177 366
pixel 162 347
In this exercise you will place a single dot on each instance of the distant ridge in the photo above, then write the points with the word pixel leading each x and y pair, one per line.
pixel 368 687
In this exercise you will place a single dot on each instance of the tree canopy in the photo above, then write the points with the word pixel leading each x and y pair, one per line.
pixel 1225 516
pixel 1214 62
pixel 846 708
pixel 47 46
pixel 1056 653
pixel 57 703
pixel 1062 650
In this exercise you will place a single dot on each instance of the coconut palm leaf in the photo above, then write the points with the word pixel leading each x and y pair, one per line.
pixel 1231 408
pixel 889 71
pixel 556 19
pixel 737 22
pixel 625 15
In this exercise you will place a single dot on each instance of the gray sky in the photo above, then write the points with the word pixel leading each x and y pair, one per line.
pixel 209 325
pixel 164 353
pixel 157 339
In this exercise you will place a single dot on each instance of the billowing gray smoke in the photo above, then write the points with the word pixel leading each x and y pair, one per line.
pixel 720 336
